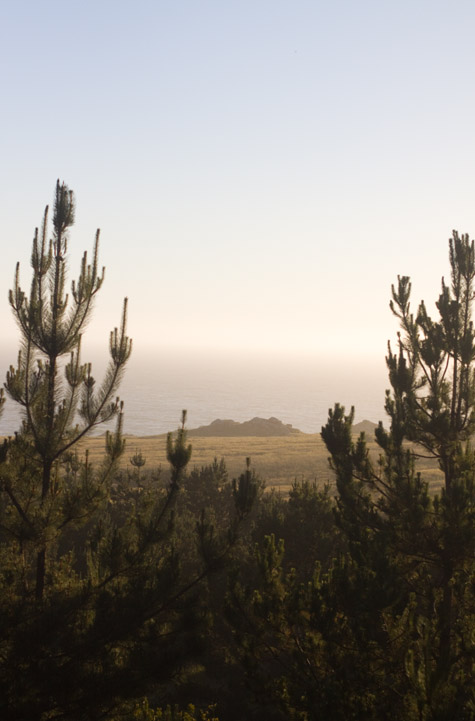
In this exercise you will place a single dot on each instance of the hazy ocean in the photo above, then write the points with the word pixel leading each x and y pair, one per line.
pixel 296 390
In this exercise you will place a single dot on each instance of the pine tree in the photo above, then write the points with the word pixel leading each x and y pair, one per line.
pixel 48 491
pixel 57 392
pixel 415 545
pixel 98 602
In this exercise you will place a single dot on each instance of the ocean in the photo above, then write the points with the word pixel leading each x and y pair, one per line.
pixel 297 390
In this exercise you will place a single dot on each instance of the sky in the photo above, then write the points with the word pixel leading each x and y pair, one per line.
pixel 261 170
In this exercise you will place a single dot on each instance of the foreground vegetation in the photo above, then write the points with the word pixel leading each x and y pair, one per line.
pixel 133 592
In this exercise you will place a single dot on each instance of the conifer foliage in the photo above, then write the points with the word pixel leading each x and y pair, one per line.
pixel 47 490
pixel 383 627
pixel 415 545
pixel 101 600
pixel 113 594
pixel 57 392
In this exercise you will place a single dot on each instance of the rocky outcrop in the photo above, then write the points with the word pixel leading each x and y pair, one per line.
pixel 254 427
pixel 367 427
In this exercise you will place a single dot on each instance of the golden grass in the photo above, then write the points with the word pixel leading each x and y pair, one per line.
pixel 279 461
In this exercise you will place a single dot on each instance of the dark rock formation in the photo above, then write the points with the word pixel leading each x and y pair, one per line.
pixel 254 427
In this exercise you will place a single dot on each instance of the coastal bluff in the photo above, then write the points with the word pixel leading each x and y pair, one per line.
pixel 263 427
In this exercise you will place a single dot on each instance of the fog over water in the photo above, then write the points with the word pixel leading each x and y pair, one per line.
pixel 296 390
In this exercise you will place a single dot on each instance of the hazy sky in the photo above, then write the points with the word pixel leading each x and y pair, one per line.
pixel 260 170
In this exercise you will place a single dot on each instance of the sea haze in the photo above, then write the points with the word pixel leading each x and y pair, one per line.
pixel 296 390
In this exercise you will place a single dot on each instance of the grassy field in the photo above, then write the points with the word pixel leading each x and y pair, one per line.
pixel 278 460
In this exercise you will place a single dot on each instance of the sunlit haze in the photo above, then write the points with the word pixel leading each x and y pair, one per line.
pixel 261 171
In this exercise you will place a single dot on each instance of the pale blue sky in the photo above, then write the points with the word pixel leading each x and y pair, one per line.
pixel 261 171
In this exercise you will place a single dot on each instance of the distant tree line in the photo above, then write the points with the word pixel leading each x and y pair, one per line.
pixel 181 595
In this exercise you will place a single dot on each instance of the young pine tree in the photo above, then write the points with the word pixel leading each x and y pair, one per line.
pixel 414 547
pixel 95 607
pixel 44 489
